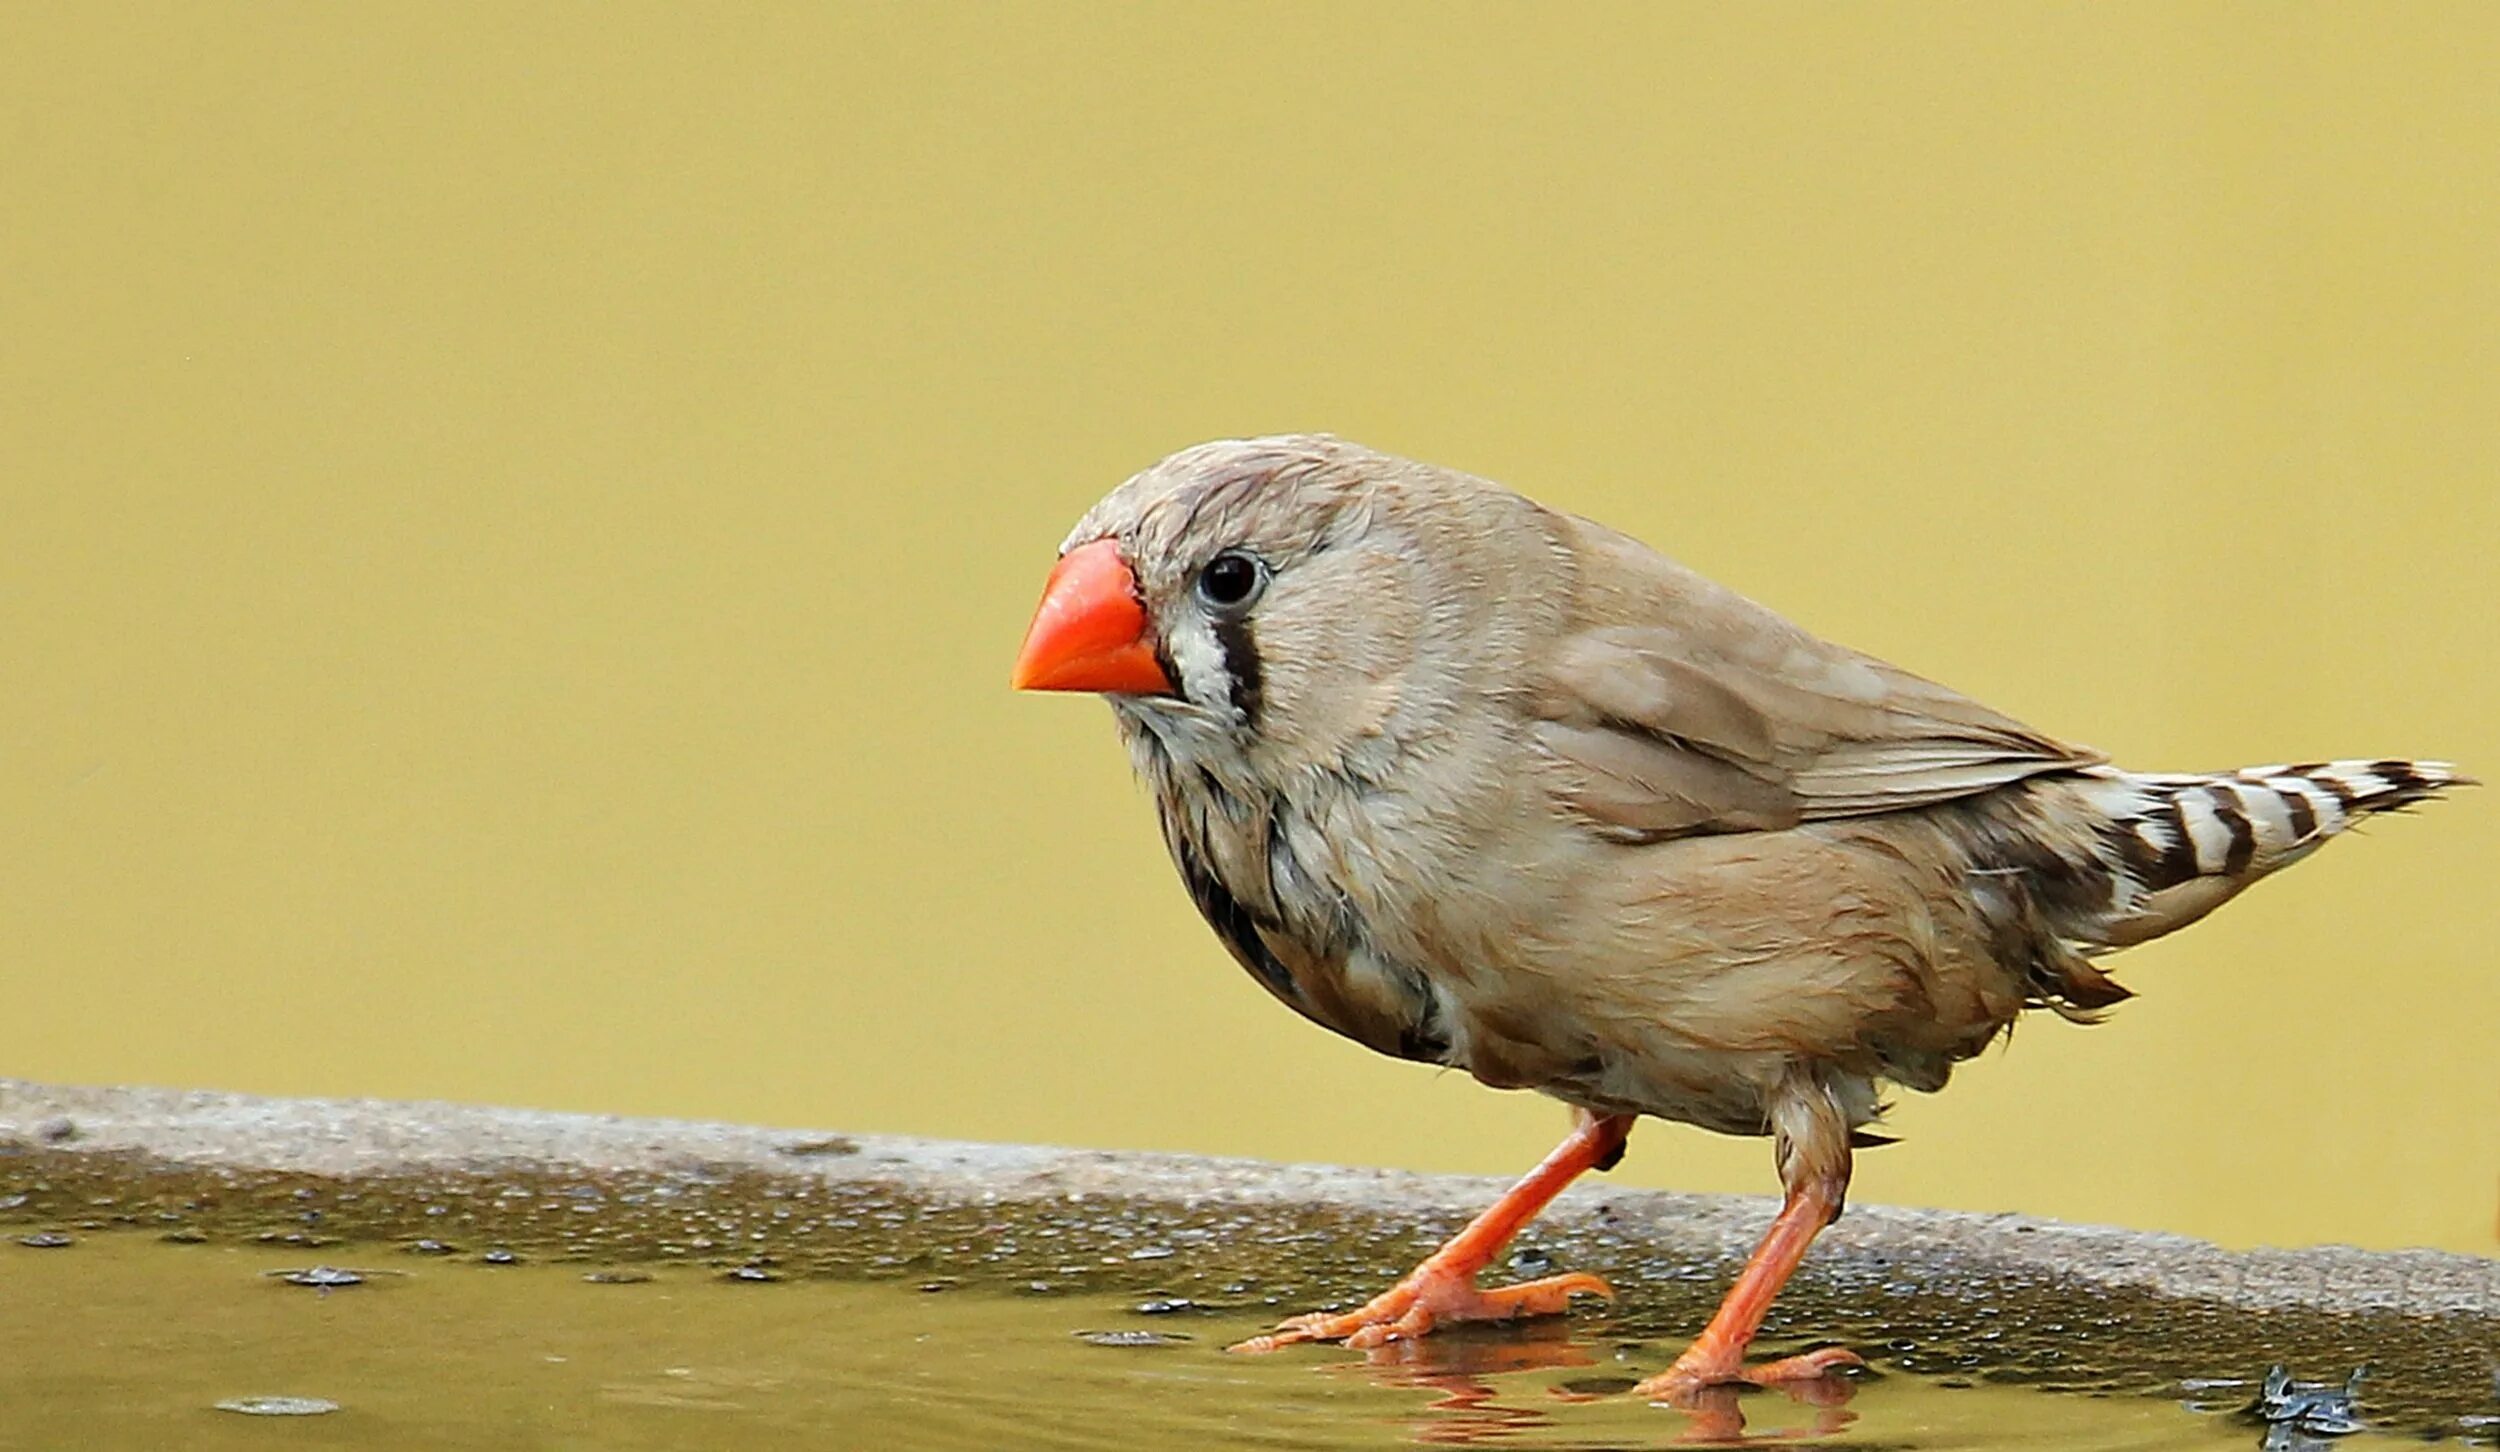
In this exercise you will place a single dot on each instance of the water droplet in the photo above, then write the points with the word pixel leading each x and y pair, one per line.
pixel 320 1277
pixel 1130 1338
pixel 278 1406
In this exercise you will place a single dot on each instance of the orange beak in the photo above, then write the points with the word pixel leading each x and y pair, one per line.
pixel 1089 633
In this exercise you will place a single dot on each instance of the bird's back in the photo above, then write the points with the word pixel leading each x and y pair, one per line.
pixel 1810 854
pixel 1481 783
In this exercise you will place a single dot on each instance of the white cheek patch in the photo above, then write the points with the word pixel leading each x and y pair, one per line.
pixel 1199 660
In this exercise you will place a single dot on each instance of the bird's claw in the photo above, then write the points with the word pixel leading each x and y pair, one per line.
pixel 1413 1306
pixel 1696 1371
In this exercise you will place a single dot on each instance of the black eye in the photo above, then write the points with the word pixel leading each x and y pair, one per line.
pixel 1231 580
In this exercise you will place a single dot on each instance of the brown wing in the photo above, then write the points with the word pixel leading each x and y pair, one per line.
pixel 1675 706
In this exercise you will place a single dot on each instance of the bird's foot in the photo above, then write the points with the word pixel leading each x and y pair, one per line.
pixel 1425 1299
pixel 1698 1368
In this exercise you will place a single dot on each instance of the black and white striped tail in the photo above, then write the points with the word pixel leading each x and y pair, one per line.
pixel 2183 844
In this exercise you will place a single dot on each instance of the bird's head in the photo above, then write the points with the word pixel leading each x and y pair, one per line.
pixel 1262 599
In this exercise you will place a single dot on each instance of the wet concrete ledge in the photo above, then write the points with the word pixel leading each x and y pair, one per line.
pixel 1996 1297
pixel 369 1139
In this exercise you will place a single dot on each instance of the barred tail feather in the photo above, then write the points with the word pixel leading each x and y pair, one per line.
pixel 2182 845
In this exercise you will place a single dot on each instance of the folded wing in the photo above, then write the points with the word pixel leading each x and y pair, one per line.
pixel 1675 706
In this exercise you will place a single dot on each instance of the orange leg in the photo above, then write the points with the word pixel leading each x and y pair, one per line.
pixel 1444 1288
pixel 1717 1356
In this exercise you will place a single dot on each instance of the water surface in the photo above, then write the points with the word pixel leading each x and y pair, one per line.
pixel 117 1340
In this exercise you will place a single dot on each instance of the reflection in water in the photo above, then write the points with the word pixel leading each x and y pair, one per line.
pixel 1718 1416
pixel 1457 1365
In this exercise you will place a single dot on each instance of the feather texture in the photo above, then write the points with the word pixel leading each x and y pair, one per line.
pixel 1481 784
pixel 1671 698
pixel 1484 784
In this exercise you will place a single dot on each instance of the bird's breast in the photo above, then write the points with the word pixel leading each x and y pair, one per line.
pixel 1295 930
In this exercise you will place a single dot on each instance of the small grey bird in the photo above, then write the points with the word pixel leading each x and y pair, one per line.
pixel 1477 783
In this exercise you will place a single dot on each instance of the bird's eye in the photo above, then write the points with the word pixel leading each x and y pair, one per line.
pixel 1232 580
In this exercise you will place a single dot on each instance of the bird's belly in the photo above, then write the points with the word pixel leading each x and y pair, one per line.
pixel 1612 1063
pixel 1715 1089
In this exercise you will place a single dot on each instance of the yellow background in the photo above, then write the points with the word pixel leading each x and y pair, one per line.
pixel 513 522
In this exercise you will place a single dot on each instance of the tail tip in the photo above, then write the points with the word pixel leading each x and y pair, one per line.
pixel 2374 779
pixel 2415 780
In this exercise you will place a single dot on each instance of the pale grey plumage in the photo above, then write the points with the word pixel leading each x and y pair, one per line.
pixel 1477 783
pixel 1512 792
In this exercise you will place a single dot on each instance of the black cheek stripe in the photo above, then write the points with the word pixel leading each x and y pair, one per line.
pixel 1241 664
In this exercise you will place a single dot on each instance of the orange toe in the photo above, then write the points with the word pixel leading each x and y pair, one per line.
pixel 1426 1299
pixel 1700 1368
